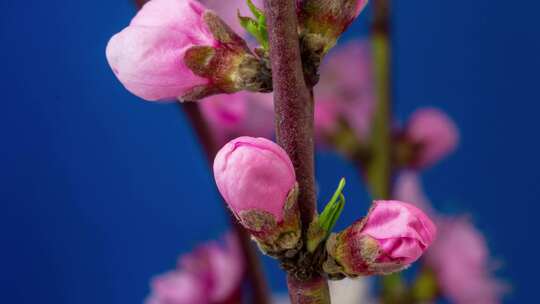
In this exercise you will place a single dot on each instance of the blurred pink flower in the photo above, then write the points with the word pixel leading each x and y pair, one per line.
pixel 326 118
pixel 460 256
pixel 345 90
pixel 212 274
pixel 460 259
pixel 148 55
pixel 408 188
pixel 244 113
pixel 177 288
pixel 433 133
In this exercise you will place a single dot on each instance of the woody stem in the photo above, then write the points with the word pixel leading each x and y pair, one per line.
pixel 293 105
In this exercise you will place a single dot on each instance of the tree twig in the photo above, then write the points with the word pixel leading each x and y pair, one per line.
pixel 293 104
pixel 292 100
pixel 380 169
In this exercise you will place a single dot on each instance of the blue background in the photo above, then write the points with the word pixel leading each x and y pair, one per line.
pixel 100 190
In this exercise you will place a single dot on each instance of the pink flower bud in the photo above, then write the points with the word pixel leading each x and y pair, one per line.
pixel 178 48
pixel 392 236
pixel 257 180
pixel 243 113
pixel 323 21
pixel 433 135
pixel 148 55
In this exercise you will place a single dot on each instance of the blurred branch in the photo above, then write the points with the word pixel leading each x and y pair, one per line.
pixel 254 269
pixel 379 168
pixel 255 272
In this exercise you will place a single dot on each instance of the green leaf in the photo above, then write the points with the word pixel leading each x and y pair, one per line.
pixel 249 24
pixel 256 27
pixel 333 209
pixel 319 230
pixel 253 27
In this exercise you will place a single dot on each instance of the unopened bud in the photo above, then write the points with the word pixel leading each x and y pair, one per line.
pixel 392 236
pixel 179 49
pixel 323 21
pixel 256 178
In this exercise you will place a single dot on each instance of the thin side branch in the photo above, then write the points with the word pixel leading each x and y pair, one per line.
pixel 380 169
pixel 255 274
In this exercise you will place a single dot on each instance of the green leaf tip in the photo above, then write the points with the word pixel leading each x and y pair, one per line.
pixel 257 12
pixel 256 27
pixel 333 209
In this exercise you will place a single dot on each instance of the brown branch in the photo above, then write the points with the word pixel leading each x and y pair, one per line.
pixel 292 100
pixel 314 291
pixel 293 104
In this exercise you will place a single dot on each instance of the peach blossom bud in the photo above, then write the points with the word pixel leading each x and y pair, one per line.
pixel 257 180
pixel 323 21
pixel 179 49
pixel 392 236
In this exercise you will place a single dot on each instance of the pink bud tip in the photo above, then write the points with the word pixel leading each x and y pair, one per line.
pixel 254 174
pixel 390 238
pixel 403 231
pixel 148 55
pixel 360 5
pixel 435 134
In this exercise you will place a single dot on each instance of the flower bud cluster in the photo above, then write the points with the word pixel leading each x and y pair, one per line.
pixel 178 49
pixel 257 180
